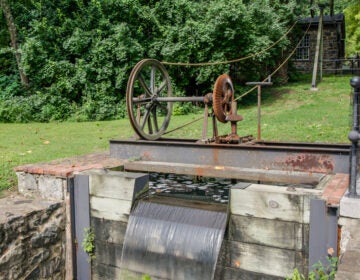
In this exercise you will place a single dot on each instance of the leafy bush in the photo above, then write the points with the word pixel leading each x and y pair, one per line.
pixel 319 271
pixel 78 55
pixel 88 243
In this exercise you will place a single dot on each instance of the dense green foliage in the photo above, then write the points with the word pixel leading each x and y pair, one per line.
pixel 352 14
pixel 78 54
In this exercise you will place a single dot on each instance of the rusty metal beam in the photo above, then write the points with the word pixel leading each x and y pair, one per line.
pixel 274 176
pixel 289 157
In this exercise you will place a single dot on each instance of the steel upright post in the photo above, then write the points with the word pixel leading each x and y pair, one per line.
pixel 354 137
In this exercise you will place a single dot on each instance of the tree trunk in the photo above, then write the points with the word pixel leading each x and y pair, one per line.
pixel 12 30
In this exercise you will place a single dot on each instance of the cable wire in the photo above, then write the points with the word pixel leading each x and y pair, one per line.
pixel 281 65
pixel 237 60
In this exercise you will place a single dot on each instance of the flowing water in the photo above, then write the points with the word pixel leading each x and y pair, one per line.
pixel 172 242
pixel 190 187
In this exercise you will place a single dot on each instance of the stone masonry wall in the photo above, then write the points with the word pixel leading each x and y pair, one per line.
pixel 330 50
pixel 32 236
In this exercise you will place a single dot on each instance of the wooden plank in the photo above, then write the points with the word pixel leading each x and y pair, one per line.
pixel 108 253
pixel 261 259
pixel 115 184
pixel 110 209
pixel 228 273
pixel 273 202
pixel 220 171
pixel 109 230
pixel 273 233
pixel 104 272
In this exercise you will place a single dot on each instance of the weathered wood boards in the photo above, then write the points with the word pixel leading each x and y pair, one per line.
pixel 268 234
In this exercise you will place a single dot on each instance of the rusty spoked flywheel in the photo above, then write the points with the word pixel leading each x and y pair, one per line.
pixel 223 95
pixel 148 83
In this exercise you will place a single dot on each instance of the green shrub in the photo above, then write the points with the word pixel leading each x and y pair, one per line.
pixel 88 243
pixel 319 271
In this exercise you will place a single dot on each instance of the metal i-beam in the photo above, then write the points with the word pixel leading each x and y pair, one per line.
pixel 289 157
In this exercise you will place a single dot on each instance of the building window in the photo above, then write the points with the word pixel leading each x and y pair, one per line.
pixel 303 50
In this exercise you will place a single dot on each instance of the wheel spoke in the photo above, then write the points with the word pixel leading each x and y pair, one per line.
pixel 156 126
pixel 148 91
pixel 145 119
pixel 161 88
pixel 138 114
pixel 150 125
pixel 152 79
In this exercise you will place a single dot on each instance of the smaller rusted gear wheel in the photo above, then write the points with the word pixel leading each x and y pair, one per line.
pixel 223 94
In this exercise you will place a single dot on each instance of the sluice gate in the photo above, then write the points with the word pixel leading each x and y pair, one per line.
pixel 281 212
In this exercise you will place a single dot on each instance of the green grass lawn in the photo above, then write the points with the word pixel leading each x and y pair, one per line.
pixel 289 113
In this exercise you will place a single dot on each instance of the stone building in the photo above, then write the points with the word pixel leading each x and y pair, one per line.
pixel 333 44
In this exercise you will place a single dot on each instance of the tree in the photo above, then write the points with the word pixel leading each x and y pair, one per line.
pixel 352 15
pixel 13 35
pixel 79 53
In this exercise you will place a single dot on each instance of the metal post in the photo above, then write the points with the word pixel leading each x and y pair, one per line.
pixel 259 114
pixel 205 124
pixel 354 137
pixel 258 85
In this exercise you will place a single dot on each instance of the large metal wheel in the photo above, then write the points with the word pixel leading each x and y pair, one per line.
pixel 149 81
pixel 223 94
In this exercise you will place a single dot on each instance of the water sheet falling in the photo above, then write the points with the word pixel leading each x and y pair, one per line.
pixel 172 242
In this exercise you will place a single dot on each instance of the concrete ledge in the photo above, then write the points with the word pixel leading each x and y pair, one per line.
pixel 335 189
pixel 48 180
pixel 350 207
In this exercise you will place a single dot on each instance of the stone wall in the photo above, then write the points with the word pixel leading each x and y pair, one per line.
pixel 330 50
pixel 32 241
pixel 36 240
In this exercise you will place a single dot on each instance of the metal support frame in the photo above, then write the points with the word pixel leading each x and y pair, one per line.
pixel 258 85
pixel 354 137
pixel 323 234
pixel 81 218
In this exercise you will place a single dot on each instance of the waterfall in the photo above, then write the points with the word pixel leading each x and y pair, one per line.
pixel 172 242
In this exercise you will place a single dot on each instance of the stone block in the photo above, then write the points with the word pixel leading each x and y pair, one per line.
pixel 32 239
pixel 27 183
pixel 51 187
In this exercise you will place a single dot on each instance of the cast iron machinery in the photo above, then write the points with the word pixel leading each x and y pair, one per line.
pixel 149 100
